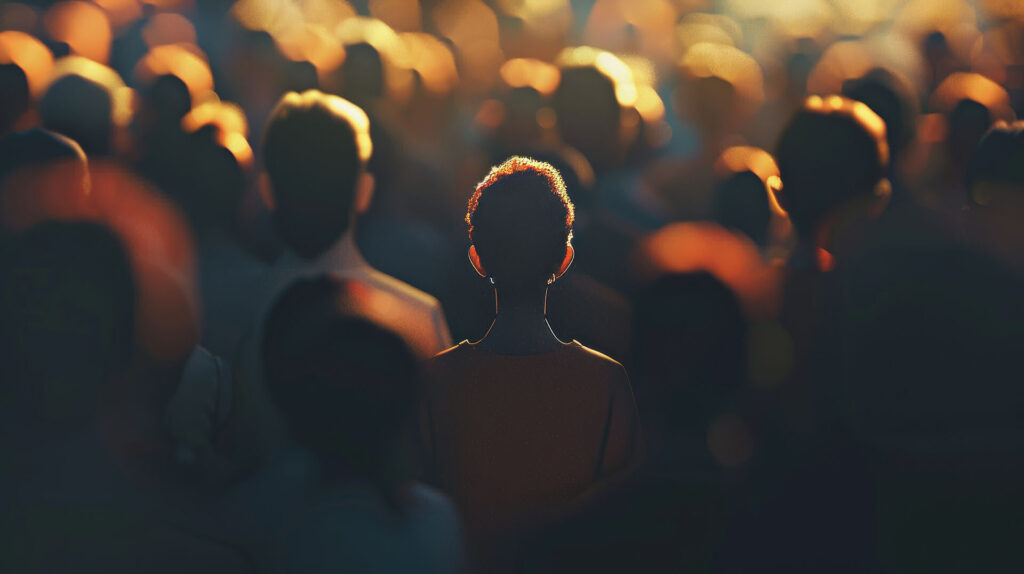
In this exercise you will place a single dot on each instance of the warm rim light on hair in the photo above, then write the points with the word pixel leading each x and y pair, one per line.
pixel 519 164
pixel 338 105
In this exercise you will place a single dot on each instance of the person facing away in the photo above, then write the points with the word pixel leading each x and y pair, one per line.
pixel 316 148
pixel 67 316
pixel 315 151
pixel 520 425
pixel 344 498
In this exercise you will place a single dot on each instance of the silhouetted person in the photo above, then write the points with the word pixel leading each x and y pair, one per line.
pixel 342 497
pixel 43 176
pixel 14 96
pixel 67 331
pixel 833 162
pixel 81 108
pixel 741 203
pixel 520 425
pixel 889 96
pixel 315 149
pixel 995 192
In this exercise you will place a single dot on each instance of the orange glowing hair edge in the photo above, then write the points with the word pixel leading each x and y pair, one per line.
pixel 519 164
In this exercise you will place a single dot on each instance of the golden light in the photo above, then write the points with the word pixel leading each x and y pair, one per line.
pixel 472 27
pixel 121 95
pixel 401 15
pixel 31 55
pixel 608 64
pixel 529 72
pixel 699 246
pixel 698 27
pixel 121 12
pixel 84 27
pixel 842 61
pixel 227 116
pixel 433 61
pixel 395 53
pixel 857 17
pixel 738 159
pixel 970 86
pixel 647 28
pixel 731 64
pixel 168 28
pixel 1003 9
pixel 314 44
pixel 232 127
pixel 955 19
pixel 181 60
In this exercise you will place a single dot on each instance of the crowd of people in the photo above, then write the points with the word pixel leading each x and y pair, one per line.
pixel 737 286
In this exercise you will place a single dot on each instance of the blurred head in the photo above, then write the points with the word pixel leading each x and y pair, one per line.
pixel 971 104
pixel 720 87
pixel 347 388
pixel 831 153
pixel 587 107
pixel 889 96
pixel 520 224
pixel 315 150
pixel 746 180
pixel 741 203
pixel 43 175
pixel 995 188
pixel 66 319
pixel 14 96
pixel 80 104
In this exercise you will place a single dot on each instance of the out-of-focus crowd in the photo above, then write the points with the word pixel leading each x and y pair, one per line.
pixel 797 224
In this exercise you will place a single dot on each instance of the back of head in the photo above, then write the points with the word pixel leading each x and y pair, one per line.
pixel 741 203
pixel 315 148
pixel 589 114
pixel 520 221
pixel 998 159
pixel 43 175
pixel 66 318
pixel 14 96
pixel 832 151
pixel 346 387
pixel 889 96
pixel 81 109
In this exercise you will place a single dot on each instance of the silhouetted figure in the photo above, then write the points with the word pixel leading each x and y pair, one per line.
pixel 995 182
pixel 342 497
pixel 889 96
pixel 67 331
pixel 740 203
pixel 833 161
pixel 43 176
pixel 519 426
pixel 14 96
pixel 315 149
pixel 81 108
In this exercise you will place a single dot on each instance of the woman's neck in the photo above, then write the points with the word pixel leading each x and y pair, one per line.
pixel 520 324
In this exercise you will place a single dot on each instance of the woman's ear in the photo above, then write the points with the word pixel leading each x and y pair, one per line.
pixel 364 192
pixel 474 260
pixel 570 254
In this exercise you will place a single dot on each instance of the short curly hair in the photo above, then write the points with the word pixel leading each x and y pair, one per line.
pixel 520 220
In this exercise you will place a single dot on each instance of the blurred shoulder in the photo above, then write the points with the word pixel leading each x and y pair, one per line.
pixel 400 289
pixel 602 364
